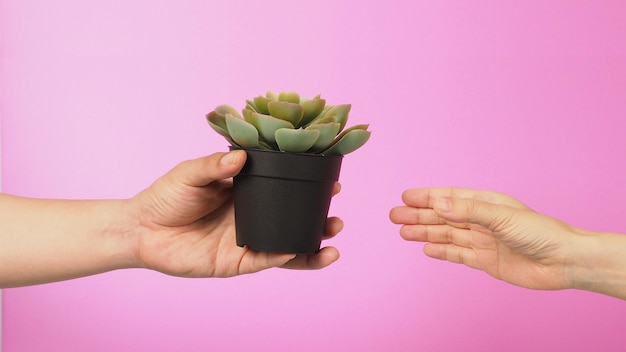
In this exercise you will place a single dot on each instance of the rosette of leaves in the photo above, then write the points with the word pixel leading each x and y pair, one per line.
pixel 287 122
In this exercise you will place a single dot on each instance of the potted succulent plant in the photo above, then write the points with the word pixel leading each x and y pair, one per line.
pixel 295 147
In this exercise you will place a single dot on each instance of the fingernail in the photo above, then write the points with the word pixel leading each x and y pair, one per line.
pixel 229 158
pixel 443 204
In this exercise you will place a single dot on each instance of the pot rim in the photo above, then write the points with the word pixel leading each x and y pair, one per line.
pixel 282 152
pixel 293 166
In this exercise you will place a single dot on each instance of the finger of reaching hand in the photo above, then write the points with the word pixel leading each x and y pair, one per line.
pixel 202 171
pixel 425 197
pixel 415 216
pixel 437 234
pixel 471 211
pixel 321 259
pixel 452 253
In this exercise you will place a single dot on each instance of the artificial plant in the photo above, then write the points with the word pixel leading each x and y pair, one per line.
pixel 289 123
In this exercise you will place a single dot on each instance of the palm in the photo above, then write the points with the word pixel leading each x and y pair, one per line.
pixel 516 262
pixel 191 233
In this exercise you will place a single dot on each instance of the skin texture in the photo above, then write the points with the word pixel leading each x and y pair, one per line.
pixel 182 225
pixel 498 234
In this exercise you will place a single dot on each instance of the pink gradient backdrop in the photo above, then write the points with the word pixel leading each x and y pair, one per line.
pixel 99 98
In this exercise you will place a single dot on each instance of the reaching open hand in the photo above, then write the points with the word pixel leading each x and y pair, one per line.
pixel 498 234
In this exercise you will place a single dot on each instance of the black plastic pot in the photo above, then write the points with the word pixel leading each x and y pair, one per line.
pixel 282 200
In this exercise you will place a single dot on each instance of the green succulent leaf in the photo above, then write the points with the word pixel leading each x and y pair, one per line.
pixel 352 128
pixel 267 125
pixel 312 108
pixel 290 97
pixel 321 115
pixel 342 150
pixel 264 145
pixel 216 120
pixel 251 106
pixel 219 129
pixel 291 112
pixel 328 132
pixel 218 124
pixel 242 132
pixel 247 114
pixel 296 141
pixel 323 120
pixel 223 110
pixel 222 132
pixel 340 112
pixel 271 95
pixel 303 99
pixel 350 142
pixel 261 104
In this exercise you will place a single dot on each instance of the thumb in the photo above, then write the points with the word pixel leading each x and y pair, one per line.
pixel 202 171
pixel 495 217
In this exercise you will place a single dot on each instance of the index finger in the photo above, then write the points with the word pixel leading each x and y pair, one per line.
pixel 205 170
pixel 425 197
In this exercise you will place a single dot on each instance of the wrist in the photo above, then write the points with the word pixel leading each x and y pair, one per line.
pixel 122 236
pixel 600 264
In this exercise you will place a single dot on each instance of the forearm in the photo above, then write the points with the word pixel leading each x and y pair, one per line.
pixel 601 265
pixel 51 240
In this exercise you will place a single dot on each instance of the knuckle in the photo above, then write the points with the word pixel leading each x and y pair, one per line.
pixel 502 221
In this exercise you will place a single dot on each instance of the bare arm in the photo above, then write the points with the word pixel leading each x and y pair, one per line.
pixel 52 240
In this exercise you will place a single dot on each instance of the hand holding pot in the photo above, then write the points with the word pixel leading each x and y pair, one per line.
pixel 187 225
pixel 496 233
pixel 181 225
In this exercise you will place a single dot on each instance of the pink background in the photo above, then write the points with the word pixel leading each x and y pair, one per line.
pixel 99 98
